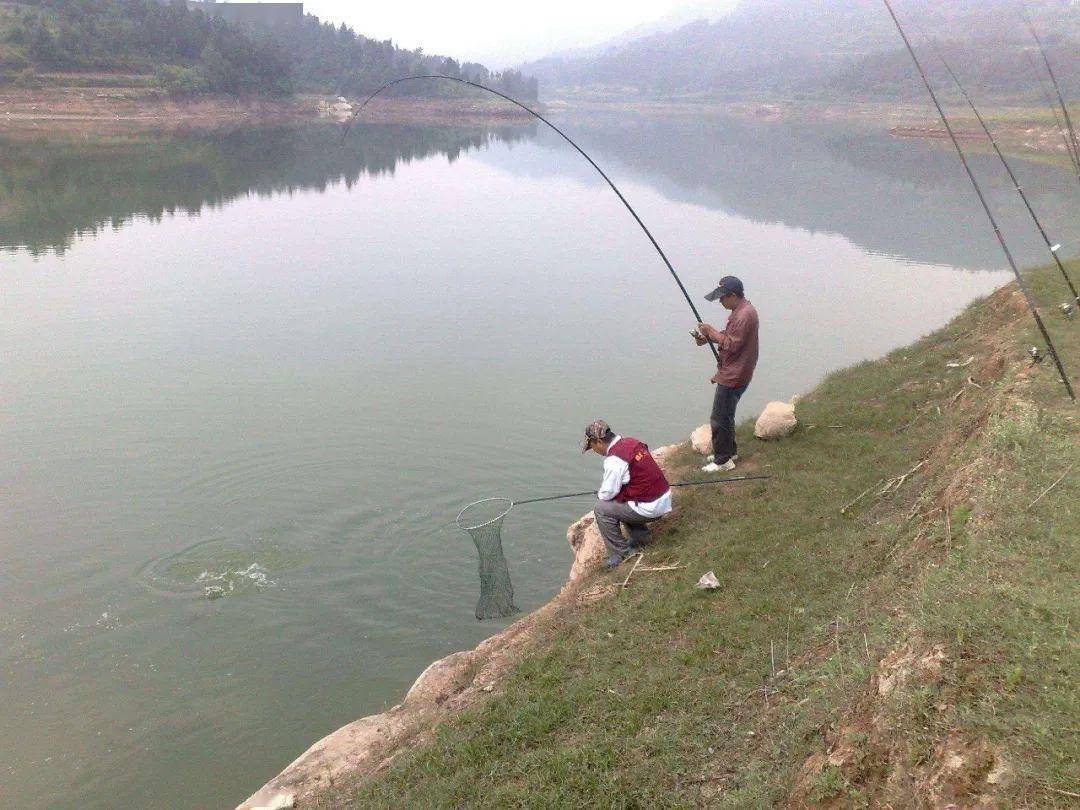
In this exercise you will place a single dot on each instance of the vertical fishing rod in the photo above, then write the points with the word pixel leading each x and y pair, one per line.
pixel 1012 176
pixel 1058 123
pixel 986 206
pixel 570 141
pixel 1057 87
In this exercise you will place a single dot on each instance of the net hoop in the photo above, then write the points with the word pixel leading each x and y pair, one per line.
pixel 509 505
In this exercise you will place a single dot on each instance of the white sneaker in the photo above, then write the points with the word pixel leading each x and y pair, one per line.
pixel 711 458
pixel 713 467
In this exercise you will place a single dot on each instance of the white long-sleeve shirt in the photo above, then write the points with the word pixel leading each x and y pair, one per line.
pixel 617 475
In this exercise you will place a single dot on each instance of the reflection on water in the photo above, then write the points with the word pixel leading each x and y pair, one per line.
pixel 53 191
pixel 895 197
pixel 250 379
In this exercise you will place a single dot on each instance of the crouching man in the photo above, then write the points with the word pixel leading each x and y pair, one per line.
pixel 634 491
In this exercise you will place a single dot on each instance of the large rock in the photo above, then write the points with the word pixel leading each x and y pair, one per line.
pixel 701 440
pixel 664 456
pixel 588 547
pixel 777 421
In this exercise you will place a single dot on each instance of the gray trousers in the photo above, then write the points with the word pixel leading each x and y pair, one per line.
pixel 609 514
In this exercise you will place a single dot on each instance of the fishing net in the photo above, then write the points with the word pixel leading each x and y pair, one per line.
pixel 482 521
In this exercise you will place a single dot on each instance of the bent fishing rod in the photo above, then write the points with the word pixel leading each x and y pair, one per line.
pixel 985 205
pixel 569 140
pixel 1057 87
pixel 1051 246
pixel 731 480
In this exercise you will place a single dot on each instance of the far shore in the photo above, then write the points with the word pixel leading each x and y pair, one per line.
pixel 1019 128
pixel 93 111
pixel 88 112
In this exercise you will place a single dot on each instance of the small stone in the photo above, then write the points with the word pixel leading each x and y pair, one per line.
pixel 708 581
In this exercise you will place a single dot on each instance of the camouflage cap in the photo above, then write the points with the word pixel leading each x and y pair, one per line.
pixel 598 431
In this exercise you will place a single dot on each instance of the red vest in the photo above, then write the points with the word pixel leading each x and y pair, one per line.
pixel 647 481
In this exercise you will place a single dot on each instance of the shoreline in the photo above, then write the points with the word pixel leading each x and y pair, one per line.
pixel 88 112
pixel 446 687
pixel 669 695
pixel 1021 130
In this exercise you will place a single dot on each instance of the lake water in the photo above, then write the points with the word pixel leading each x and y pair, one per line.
pixel 265 367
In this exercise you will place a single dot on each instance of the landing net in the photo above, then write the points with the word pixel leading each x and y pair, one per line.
pixel 482 521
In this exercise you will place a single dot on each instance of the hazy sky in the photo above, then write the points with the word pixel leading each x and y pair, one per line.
pixel 497 33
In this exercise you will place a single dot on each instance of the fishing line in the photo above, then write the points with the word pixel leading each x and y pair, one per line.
pixel 1057 87
pixel 986 206
pixel 570 141
pixel 687 484
pixel 1012 176
pixel 1073 157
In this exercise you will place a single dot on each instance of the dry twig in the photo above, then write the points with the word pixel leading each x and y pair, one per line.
pixel 1064 792
pixel 863 494
pixel 675 567
pixel 894 484
pixel 640 557
pixel 1046 491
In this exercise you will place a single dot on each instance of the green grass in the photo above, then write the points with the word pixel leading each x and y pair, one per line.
pixel 667 696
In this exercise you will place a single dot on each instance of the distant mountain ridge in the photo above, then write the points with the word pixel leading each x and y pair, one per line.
pixel 824 48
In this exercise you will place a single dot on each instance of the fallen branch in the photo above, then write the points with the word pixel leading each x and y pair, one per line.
pixel 663 568
pixel 1046 491
pixel 863 494
pixel 703 780
pixel 895 483
pixel 1064 792
pixel 640 557
pixel 957 364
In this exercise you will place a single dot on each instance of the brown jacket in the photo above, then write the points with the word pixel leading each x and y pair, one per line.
pixel 737 346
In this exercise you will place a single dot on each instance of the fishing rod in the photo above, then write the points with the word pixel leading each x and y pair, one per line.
pixel 1051 246
pixel 687 484
pixel 1058 123
pixel 570 141
pixel 1057 87
pixel 985 205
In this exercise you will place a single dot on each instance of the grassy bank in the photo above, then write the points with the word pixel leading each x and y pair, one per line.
pixel 896 623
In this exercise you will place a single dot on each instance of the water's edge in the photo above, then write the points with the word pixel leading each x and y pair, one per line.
pixel 447 686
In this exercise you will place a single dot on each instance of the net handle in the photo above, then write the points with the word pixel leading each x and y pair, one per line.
pixel 729 480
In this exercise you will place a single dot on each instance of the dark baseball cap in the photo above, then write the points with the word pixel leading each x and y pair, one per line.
pixel 598 431
pixel 727 286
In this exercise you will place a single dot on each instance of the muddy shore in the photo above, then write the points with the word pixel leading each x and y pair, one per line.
pixel 90 112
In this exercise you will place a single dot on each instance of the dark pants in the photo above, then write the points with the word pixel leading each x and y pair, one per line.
pixel 722 422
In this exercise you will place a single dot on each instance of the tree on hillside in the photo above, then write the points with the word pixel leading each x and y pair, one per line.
pixel 194 53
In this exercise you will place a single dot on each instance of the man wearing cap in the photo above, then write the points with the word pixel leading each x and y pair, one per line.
pixel 737 346
pixel 634 490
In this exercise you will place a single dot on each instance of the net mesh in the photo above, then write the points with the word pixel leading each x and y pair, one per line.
pixel 482 521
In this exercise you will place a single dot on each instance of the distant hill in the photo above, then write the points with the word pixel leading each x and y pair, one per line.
pixel 184 50
pixel 824 48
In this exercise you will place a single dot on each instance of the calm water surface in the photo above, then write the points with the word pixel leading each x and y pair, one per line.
pixel 264 368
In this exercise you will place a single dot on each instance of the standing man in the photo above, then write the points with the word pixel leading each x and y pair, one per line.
pixel 634 491
pixel 737 346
